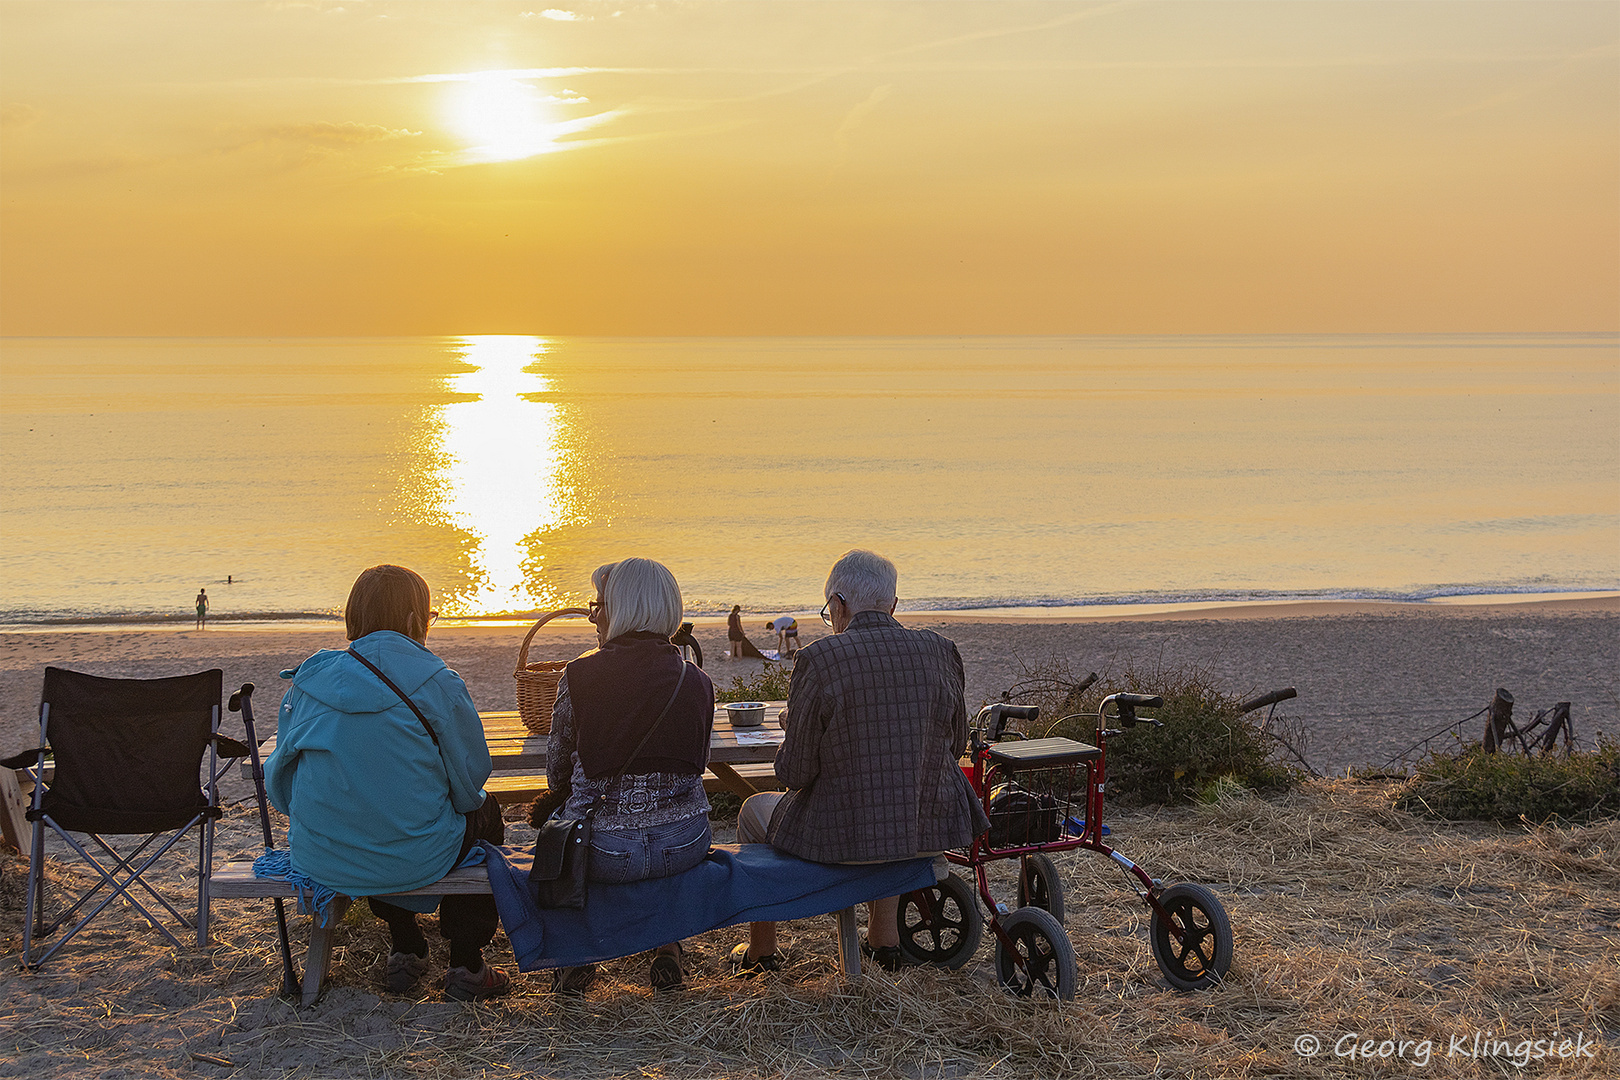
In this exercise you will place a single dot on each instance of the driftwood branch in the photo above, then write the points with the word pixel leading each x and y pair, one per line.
pixel 1498 721
pixel 1272 698
pixel 1559 722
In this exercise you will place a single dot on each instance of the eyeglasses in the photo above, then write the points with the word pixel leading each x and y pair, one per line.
pixel 593 610
pixel 826 610
pixel 433 617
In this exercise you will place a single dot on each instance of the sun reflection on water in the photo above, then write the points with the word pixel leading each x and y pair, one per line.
pixel 503 463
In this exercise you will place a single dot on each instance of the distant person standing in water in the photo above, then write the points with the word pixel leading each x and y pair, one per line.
pixel 202 608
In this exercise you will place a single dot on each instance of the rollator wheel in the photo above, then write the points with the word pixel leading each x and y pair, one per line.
pixel 1038 885
pixel 1048 957
pixel 949 933
pixel 1200 959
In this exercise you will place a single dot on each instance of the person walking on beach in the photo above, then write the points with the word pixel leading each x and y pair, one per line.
pixel 202 608
pixel 875 722
pixel 734 632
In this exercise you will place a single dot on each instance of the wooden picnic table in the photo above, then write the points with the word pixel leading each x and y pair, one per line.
pixel 740 759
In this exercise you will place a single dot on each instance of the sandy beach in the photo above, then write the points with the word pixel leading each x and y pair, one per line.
pixel 1372 678
pixel 1347 915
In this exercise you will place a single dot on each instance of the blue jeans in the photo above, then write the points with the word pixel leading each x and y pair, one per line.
pixel 623 855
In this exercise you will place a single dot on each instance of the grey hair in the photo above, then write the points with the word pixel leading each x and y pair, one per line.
pixel 639 594
pixel 866 579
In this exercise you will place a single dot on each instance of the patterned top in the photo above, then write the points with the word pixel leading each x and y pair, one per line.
pixel 875 722
pixel 634 800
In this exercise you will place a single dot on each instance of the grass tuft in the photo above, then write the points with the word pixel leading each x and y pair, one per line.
pixel 1505 787
pixel 770 684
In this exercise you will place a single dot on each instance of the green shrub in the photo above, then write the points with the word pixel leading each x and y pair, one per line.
pixel 1507 787
pixel 771 684
pixel 1205 745
pixel 723 807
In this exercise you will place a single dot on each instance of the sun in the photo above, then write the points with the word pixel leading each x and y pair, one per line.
pixel 502 117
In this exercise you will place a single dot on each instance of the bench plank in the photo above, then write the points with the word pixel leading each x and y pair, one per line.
pixel 235 881
pixel 511 788
pixel 15 829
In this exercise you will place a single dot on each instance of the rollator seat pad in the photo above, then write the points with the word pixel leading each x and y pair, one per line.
pixel 736 883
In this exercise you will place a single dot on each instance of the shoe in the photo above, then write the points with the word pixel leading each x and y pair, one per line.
pixel 744 968
pixel 463 985
pixel 404 969
pixel 572 981
pixel 887 957
pixel 666 973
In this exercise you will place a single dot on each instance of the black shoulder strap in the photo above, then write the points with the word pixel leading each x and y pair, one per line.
pixel 375 670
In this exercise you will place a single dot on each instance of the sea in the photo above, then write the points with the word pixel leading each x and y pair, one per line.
pixel 1008 474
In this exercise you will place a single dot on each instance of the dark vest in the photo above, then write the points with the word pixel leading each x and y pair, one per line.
pixel 617 692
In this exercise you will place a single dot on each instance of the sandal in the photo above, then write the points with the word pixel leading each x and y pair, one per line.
pixel 667 972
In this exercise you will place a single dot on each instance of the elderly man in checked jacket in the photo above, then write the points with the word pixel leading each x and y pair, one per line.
pixel 875 722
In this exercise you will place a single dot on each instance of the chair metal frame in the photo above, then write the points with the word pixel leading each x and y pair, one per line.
pixel 122 874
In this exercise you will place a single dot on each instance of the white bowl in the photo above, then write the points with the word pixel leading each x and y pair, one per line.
pixel 746 713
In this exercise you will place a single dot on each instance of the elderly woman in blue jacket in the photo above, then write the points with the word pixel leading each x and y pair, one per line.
pixel 383 798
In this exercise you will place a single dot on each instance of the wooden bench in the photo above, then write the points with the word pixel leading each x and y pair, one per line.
pixel 235 881
pixel 16 791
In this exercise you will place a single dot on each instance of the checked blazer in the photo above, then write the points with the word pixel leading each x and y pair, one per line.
pixel 875 722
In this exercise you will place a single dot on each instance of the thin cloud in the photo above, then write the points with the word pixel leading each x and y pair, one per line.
pixel 14 116
pixel 326 133
pixel 555 141
pixel 856 115
pixel 1532 85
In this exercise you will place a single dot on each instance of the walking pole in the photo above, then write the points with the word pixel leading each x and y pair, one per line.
pixel 242 702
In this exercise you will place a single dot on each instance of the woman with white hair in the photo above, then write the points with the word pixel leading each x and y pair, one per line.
pixel 630 735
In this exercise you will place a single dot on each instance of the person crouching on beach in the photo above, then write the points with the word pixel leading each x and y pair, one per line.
pixel 630 734
pixel 786 629
pixel 383 798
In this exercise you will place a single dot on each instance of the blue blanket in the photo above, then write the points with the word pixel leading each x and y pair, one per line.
pixel 735 884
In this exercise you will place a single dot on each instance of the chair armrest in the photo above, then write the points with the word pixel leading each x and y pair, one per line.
pixel 24 759
pixel 230 748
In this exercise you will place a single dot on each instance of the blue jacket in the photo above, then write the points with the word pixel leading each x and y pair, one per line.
pixel 375 807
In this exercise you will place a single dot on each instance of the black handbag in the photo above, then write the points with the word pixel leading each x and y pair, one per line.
pixel 562 850
pixel 562 856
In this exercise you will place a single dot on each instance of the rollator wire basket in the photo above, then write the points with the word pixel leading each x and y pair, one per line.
pixel 1035 802
pixel 537 682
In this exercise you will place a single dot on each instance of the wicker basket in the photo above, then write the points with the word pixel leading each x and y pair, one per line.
pixel 537 682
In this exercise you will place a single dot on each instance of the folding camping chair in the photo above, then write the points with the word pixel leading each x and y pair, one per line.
pixel 127 758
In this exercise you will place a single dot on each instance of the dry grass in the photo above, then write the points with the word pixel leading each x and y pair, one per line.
pixel 1349 917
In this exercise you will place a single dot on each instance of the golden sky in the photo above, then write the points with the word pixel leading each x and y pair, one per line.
pixel 368 168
